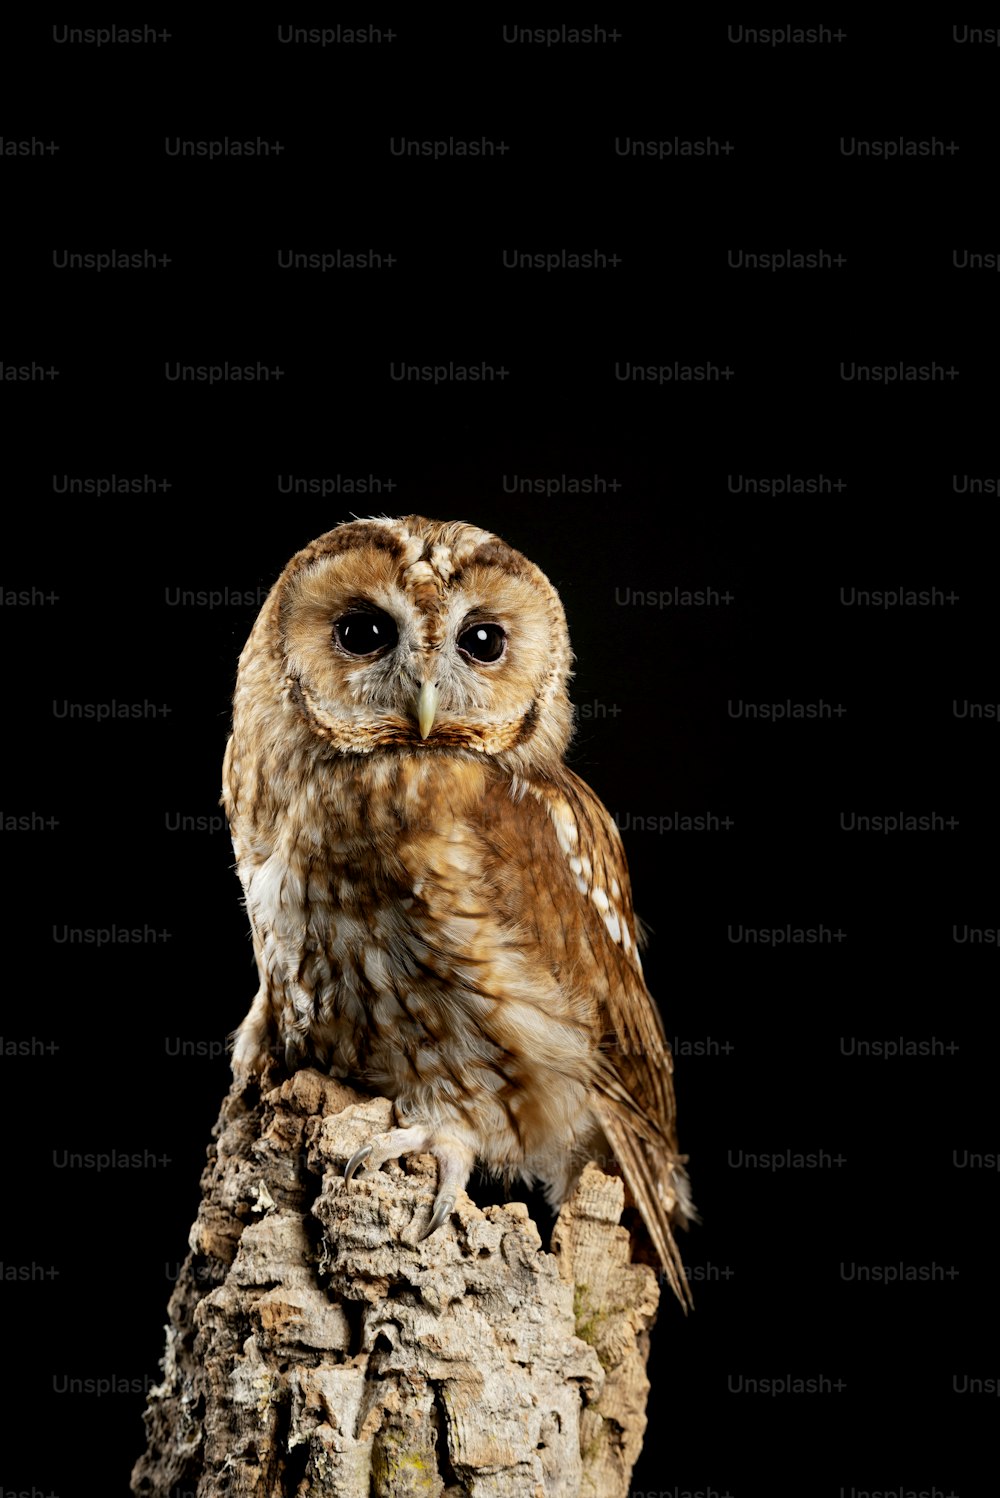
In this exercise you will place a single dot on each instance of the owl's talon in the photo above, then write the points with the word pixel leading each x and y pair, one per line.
pixel 443 1208
pixel 357 1159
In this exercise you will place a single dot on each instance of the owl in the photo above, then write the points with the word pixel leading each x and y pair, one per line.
pixel 440 908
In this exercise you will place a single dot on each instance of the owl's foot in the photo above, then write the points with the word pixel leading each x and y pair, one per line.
pixel 455 1162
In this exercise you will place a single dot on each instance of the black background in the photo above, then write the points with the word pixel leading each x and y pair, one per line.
pixel 657 686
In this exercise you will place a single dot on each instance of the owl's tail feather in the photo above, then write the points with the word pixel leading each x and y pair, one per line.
pixel 658 1182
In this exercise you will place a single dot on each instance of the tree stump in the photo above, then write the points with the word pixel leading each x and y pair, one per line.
pixel 316 1347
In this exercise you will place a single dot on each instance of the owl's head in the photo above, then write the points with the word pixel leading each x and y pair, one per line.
pixel 419 633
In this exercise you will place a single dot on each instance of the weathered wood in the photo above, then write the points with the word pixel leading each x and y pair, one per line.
pixel 316 1347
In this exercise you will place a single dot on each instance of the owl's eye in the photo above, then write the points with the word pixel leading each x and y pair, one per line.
pixel 366 633
pixel 483 642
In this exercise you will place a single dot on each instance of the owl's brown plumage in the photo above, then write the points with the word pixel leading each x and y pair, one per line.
pixel 440 908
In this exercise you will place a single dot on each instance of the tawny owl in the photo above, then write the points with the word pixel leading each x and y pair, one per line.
pixel 440 908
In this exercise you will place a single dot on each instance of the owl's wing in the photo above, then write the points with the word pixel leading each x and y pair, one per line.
pixel 577 903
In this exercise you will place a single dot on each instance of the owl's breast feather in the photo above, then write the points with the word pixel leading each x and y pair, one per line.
pixel 392 955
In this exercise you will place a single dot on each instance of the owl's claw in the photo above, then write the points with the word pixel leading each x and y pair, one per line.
pixel 443 1208
pixel 454 1156
pixel 357 1159
pixel 386 1147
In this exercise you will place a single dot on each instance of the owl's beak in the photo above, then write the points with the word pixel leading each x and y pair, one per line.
pixel 427 706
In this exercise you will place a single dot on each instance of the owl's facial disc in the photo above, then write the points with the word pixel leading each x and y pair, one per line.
pixel 418 643
pixel 368 633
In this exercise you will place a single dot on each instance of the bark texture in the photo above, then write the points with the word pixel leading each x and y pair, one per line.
pixel 316 1347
